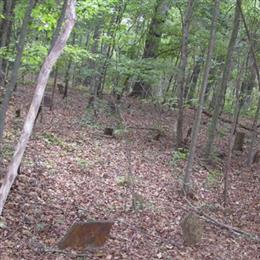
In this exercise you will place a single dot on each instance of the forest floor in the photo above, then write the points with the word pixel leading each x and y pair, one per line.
pixel 72 171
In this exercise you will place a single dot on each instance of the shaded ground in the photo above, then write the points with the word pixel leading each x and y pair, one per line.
pixel 71 171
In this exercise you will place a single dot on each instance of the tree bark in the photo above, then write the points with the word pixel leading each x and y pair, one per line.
pixel 37 98
pixel 100 82
pixel 68 71
pixel 11 85
pixel 257 113
pixel 181 72
pixel 194 80
pixel 221 89
pixel 248 83
pixel 92 64
pixel 196 126
pixel 59 24
pixel 232 136
pixel 5 30
pixel 54 87
pixel 153 39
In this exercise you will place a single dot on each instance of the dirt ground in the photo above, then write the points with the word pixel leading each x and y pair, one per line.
pixel 73 172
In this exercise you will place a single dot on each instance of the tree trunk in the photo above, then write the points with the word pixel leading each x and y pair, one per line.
pixel 194 80
pixel 5 30
pixel 248 83
pixel 232 136
pixel 196 126
pixel 257 113
pixel 92 64
pixel 211 82
pixel 54 87
pixel 221 89
pixel 68 71
pixel 181 71
pixel 53 40
pixel 37 98
pixel 59 24
pixel 11 85
pixel 100 82
pixel 153 39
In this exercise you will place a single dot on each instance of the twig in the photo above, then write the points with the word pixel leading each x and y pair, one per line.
pixel 143 128
pixel 58 251
pixel 231 229
pixel 225 120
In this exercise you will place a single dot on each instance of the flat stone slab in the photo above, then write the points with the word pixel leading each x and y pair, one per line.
pixel 82 235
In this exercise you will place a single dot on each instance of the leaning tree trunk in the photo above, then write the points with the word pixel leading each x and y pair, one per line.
pixel 11 85
pixel 181 72
pixel 221 89
pixel 37 98
pixel 53 40
pixel 196 126
pixel 59 24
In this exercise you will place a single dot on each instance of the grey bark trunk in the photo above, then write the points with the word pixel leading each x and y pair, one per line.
pixel 68 71
pixel 257 113
pixel 221 89
pixel 181 72
pixel 100 83
pixel 153 39
pixel 11 85
pixel 37 98
pixel 8 8
pixel 54 87
pixel 193 83
pixel 232 137
pixel 195 129
pixel 59 24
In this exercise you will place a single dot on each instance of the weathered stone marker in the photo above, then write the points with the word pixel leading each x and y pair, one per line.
pixel 192 229
pixel 256 157
pixel 86 234
pixel 239 141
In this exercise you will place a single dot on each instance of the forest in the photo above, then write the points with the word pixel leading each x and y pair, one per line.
pixel 129 129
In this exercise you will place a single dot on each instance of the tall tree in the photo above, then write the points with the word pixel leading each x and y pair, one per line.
pixel 181 71
pixel 232 135
pixel 19 52
pixel 221 89
pixel 196 125
pixel 257 113
pixel 5 30
pixel 113 28
pixel 152 43
pixel 37 98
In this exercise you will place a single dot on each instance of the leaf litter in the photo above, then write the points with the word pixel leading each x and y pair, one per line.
pixel 71 172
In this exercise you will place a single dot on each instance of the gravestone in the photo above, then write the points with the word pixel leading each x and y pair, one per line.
pixel 239 141
pixel 82 235
pixel 256 158
pixel 192 229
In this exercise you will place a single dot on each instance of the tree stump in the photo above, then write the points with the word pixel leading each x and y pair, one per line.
pixel 239 141
pixel 192 229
